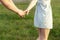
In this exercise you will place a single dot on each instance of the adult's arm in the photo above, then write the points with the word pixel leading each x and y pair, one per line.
pixel 10 5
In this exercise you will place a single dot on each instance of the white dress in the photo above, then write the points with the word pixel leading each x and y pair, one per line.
pixel 43 15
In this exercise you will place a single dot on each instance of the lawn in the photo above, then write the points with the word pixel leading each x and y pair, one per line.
pixel 12 27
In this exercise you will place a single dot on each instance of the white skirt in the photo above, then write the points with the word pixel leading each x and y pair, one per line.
pixel 43 15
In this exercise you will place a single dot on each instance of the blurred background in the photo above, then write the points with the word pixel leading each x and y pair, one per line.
pixel 21 0
pixel 12 27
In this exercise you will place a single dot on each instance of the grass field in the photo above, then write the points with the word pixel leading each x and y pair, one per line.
pixel 12 27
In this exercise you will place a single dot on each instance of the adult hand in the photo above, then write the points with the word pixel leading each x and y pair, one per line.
pixel 21 13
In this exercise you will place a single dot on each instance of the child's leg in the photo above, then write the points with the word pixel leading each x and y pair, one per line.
pixel 43 34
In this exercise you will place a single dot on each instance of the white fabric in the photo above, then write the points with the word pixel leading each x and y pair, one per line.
pixel 43 15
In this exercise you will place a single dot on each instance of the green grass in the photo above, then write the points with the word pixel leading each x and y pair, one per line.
pixel 12 27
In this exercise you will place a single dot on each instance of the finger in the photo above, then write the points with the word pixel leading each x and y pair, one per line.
pixel 27 12
pixel 21 16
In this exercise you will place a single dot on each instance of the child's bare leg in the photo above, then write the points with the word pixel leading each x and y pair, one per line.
pixel 43 34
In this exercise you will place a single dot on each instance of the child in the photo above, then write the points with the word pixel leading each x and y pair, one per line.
pixel 43 17
pixel 10 5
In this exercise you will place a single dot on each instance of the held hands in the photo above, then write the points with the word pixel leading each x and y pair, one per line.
pixel 22 13
pixel 26 11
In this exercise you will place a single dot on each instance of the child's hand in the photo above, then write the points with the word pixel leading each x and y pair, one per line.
pixel 26 12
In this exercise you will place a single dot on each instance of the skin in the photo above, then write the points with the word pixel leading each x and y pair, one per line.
pixel 43 32
pixel 11 6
